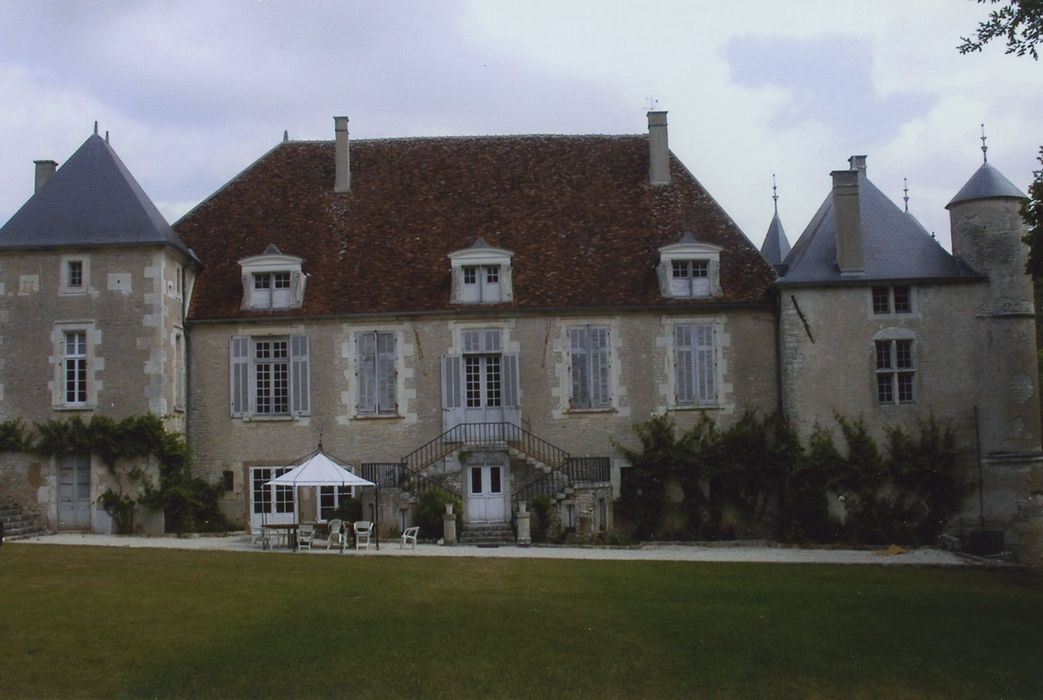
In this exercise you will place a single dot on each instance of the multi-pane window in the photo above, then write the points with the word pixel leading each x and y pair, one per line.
pixel 694 365
pixel 690 278
pixel 481 284
pixel 330 498
pixel 270 376
pixel 74 273
pixel 271 290
pixel 75 358
pixel 482 381
pixel 590 370
pixel 268 498
pixel 377 376
pixel 897 299
pixel 895 371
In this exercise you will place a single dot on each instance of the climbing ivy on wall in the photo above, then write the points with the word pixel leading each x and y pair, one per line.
pixel 760 475
pixel 188 502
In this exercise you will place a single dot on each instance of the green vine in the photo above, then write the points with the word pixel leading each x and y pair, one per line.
pixel 188 502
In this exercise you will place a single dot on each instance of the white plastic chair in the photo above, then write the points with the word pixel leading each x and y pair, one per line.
pixel 363 531
pixel 409 537
pixel 336 532
pixel 305 536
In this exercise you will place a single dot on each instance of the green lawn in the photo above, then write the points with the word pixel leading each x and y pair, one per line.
pixel 102 622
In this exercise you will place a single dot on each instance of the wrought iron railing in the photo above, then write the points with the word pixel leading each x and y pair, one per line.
pixel 396 475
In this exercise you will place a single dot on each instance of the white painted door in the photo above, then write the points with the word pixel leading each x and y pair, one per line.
pixel 269 504
pixel 483 389
pixel 486 497
pixel 74 492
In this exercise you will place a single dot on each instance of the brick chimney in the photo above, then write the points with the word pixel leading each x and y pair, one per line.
pixel 848 215
pixel 658 149
pixel 342 156
pixel 44 170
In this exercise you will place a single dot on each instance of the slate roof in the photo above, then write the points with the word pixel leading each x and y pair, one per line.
pixel 895 246
pixel 578 213
pixel 92 200
pixel 987 183
pixel 776 246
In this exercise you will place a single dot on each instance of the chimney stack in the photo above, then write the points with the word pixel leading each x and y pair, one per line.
pixel 342 156
pixel 658 149
pixel 44 170
pixel 857 163
pixel 848 215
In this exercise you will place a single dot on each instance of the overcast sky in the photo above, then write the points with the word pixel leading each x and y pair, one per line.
pixel 193 92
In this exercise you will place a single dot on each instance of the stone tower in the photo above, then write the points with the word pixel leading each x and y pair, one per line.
pixel 987 229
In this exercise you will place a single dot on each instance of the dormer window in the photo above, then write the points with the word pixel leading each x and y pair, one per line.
pixel 689 269
pixel 272 281
pixel 481 274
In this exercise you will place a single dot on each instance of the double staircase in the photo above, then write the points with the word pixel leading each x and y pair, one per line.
pixel 18 524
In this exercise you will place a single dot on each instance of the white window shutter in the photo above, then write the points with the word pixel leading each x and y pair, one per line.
pixel 511 381
pixel 506 283
pixel 600 394
pixel 297 282
pixel 664 271
pixel 705 364
pixel 452 378
pixel 715 277
pixel 457 295
pixel 683 366
pixel 366 377
pixel 578 367
pixel 386 374
pixel 300 379
pixel 239 375
pixel 247 291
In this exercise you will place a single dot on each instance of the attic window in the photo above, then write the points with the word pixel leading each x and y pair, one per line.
pixel 689 270
pixel 481 274
pixel 272 281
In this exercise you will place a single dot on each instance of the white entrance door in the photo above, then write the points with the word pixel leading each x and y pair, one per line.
pixel 74 492
pixel 483 389
pixel 270 504
pixel 486 499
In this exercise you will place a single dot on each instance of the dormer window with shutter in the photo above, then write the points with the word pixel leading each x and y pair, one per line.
pixel 272 281
pixel 690 269
pixel 481 274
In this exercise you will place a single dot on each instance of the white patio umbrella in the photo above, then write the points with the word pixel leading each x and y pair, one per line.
pixel 319 469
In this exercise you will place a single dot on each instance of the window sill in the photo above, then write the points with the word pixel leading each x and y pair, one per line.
pixel 72 292
pixel 581 411
pixel 268 419
pixel 385 416
pixel 705 407
pixel 77 407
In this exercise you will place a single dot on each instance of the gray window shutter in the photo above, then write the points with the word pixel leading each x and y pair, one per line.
pixel 386 374
pixel 683 366
pixel 300 380
pixel 456 296
pixel 511 382
pixel 705 370
pixel 600 389
pixel 451 382
pixel 579 367
pixel 239 375
pixel 663 270
pixel 506 283
pixel 366 376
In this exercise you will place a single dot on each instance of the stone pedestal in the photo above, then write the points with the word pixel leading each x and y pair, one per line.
pixel 523 518
pixel 584 525
pixel 449 526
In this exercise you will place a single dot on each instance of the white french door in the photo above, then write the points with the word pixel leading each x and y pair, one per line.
pixel 486 495
pixel 74 492
pixel 270 504
pixel 483 389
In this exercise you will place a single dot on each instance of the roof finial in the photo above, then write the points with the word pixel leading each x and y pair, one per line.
pixel 775 194
pixel 95 127
pixel 320 439
pixel 285 135
pixel 984 148
pixel 906 191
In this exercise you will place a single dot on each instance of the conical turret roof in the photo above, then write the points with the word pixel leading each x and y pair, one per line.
pixel 987 183
pixel 776 246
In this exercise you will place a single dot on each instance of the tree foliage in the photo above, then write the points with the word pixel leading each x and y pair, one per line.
pixel 1032 213
pixel 1018 22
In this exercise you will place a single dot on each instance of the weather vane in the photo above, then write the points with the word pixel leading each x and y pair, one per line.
pixel 984 148
pixel 652 103
pixel 905 189
pixel 775 194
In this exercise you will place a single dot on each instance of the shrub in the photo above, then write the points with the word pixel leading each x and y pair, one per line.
pixel 430 508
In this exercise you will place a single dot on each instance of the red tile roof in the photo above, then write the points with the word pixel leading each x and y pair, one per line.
pixel 578 213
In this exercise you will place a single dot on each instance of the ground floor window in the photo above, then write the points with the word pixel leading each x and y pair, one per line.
pixel 269 499
pixel 330 499
pixel 895 371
